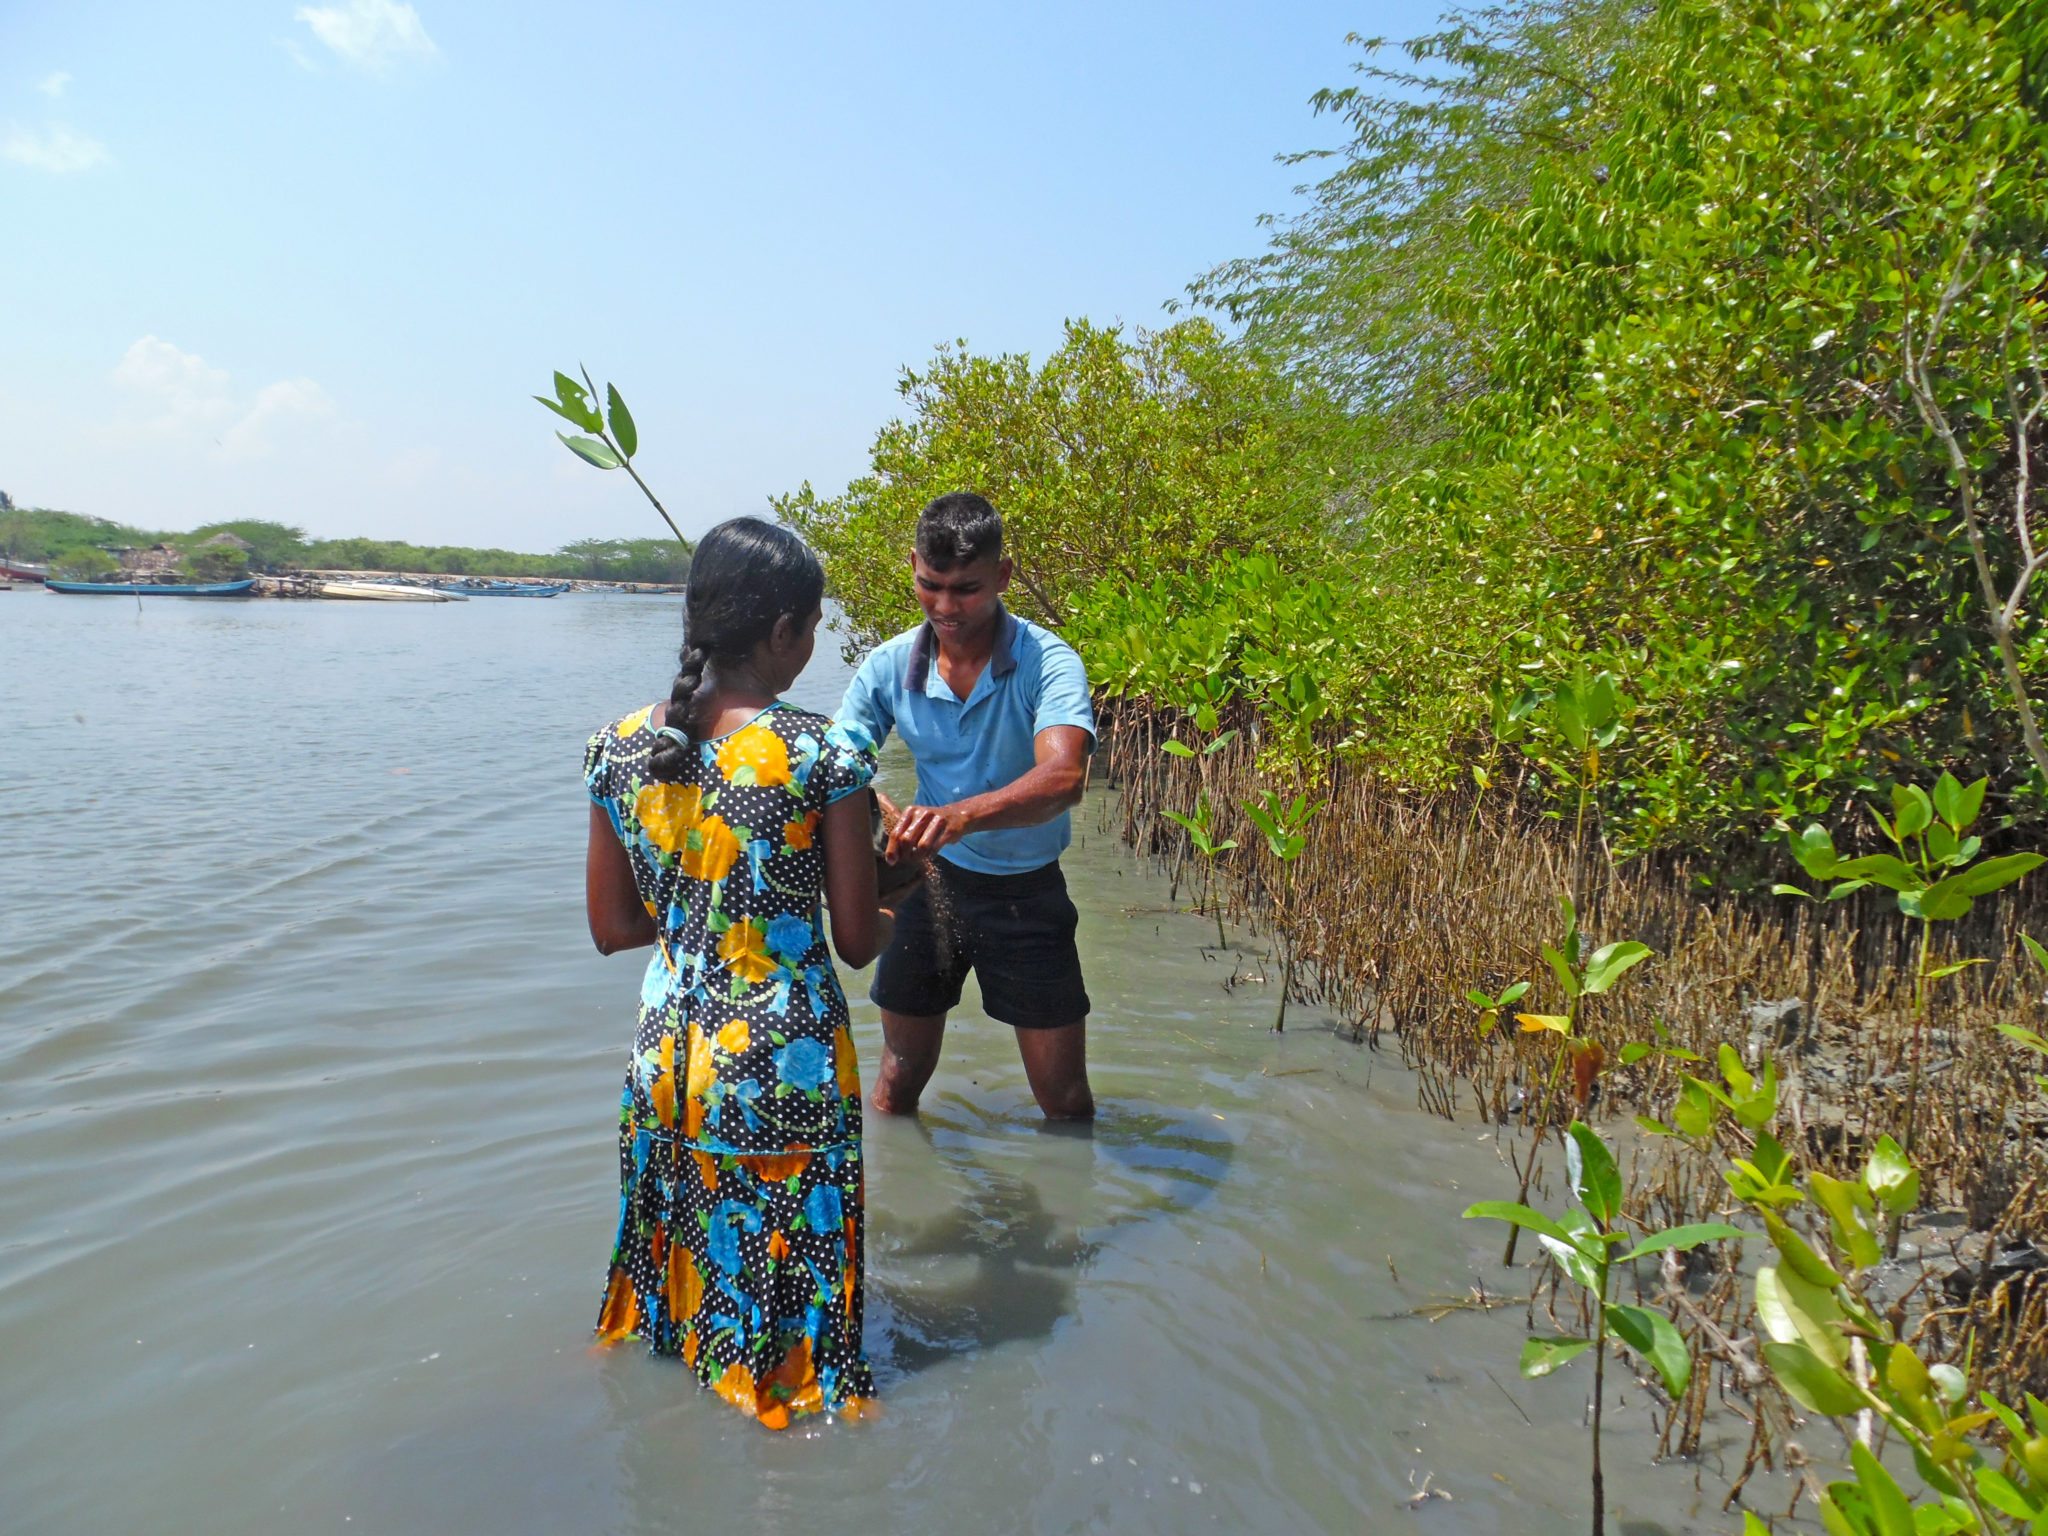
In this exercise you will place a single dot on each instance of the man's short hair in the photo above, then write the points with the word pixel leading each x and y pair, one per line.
pixel 958 529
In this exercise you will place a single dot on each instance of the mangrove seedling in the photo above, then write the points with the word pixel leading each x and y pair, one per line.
pixel 1936 876
pixel 1200 827
pixel 615 443
pixel 1836 1354
pixel 1579 977
pixel 1587 713
pixel 1284 825
pixel 1202 835
pixel 1583 1242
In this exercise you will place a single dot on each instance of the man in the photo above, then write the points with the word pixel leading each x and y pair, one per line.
pixel 996 712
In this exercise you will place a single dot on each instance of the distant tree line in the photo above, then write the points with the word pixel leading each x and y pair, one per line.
pixel 74 544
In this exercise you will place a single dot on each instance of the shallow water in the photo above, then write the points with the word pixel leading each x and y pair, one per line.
pixel 308 1077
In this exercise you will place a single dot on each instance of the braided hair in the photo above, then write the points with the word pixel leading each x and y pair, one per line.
pixel 744 575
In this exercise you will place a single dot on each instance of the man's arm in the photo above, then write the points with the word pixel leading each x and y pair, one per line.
pixel 1051 785
pixel 866 703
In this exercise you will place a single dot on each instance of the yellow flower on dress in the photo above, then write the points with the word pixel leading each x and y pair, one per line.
pixel 663 1093
pixel 711 850
pixel 754 755
pixel 797 834
pixel 735 1037
pixel 685 1283
pixel 668 813
pixel 846 1063
pixel 744 949
pixel 778 1167
pixel 633 722
pixel 621 1316
pixel 699 1081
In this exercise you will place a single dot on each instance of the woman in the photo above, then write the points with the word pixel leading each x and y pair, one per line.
pixel 717 821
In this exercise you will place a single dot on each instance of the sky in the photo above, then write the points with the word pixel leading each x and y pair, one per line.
pixel 309 261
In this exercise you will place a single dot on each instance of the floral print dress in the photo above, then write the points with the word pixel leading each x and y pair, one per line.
pixel 740 1189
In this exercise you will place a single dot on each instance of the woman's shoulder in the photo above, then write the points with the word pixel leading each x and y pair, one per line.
pixel 624 741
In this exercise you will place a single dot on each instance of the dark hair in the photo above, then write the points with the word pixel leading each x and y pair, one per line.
pixel 958 529
pixel 744 575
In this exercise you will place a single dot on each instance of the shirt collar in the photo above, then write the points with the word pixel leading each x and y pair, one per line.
pixel 917 667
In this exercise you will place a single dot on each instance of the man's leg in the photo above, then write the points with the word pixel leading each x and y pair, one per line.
pixel 910 1054
pixel 1056 1063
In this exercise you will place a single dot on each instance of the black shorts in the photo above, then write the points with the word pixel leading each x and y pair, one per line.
pixel 1015 932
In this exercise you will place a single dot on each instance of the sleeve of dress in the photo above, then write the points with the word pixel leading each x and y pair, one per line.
pixel 597 770
pixel 847 762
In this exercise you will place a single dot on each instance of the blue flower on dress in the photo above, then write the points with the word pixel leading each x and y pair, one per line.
pixel 807 750
pixel 655 985
pixel 804 1064
pixel 727 1221
pixel 759 852
pixel 823 1209
pixel 789 937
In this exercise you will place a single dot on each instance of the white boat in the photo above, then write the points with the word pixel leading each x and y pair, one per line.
pixel 383 592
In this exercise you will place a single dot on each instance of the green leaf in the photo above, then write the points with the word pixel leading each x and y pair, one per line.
pixel 1611 961
pixel 1542 1356
pixel 1578 1258
pixel 1688 1236
pixel 576 404
pixel 1911 809
pixel 1635 1051
pixel 1594 1177
pixel 1891 1177
pixel 1847 1206
pixel 1814 848
pixel 1794 1312
pixel 1888 1506
pixel 2035 949
pixel 2025 1037
pixel 1653 1336
pixel 1693 1115
pixel 1798 1254
pixel 1519 1215
pixel 1813 1383
pixel 590 450
pixel 1989 875
pixel 1562 970
pixel 1885 869
pixel 1941 971
pixel 2001 1494
pixel 624 433
pixel 1786 890
pixel 1948 799
pixel 1176 749
pixel 1513 993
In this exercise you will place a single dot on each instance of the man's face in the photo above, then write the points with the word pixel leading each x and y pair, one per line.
pixel 961 600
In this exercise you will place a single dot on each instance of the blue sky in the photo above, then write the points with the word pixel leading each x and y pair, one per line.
pixel 309 261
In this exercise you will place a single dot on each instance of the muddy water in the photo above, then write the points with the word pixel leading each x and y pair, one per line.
pixel 307 1085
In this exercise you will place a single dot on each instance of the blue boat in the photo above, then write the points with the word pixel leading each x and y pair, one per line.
pixel 507 589
pixel 147 589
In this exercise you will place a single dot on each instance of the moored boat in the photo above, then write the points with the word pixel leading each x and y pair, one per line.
pixel 383 592
pixel 508 588
pixel 150 589
pixel 22 570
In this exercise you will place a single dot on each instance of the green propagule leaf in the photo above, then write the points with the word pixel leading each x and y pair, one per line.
pixel 624 433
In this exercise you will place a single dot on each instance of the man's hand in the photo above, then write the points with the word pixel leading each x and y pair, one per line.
pixel 925 829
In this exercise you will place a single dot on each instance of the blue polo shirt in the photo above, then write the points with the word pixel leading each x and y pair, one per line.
pixel 1033 681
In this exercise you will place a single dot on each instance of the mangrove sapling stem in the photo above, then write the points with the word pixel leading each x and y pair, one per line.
pixel 1895 1222
pixel 1507 1259
pixel 1599 1392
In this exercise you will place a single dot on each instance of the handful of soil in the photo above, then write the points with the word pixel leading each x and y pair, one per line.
pixel 891 880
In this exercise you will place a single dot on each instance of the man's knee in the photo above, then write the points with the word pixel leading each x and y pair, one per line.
pixel 1066 1101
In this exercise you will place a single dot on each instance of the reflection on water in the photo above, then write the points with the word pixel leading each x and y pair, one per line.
pixel 308 1079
